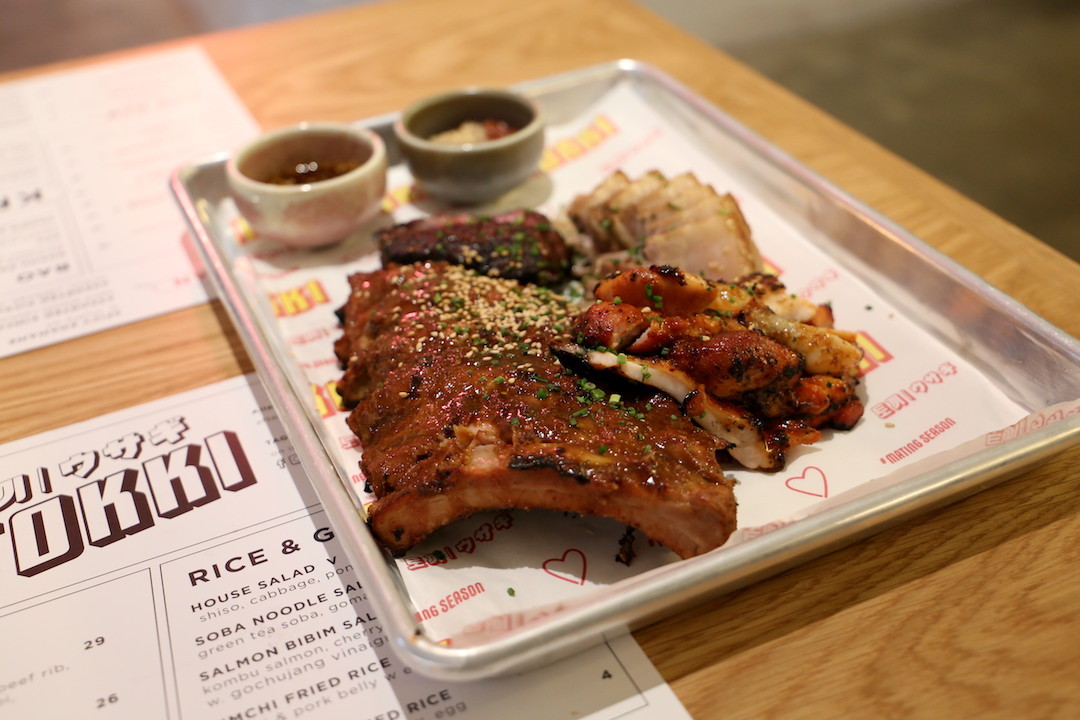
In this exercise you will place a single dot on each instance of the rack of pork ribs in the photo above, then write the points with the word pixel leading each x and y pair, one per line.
pixel 475 384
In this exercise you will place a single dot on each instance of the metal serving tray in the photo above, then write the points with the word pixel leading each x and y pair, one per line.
pixel 1033 363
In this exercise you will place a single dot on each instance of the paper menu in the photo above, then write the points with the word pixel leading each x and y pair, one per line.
pixel 171 561
pixel 921 396
pixel 89 234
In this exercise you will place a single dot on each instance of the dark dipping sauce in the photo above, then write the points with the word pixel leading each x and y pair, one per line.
pixel 310 172
pixel 309 157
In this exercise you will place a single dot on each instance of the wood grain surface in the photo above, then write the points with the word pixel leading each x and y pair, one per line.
pixel 971 611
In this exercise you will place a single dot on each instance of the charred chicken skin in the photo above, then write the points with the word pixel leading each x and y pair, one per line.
pixel 762 380
pixel 460 407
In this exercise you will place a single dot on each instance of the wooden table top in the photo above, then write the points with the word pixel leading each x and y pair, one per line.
pixel 968 611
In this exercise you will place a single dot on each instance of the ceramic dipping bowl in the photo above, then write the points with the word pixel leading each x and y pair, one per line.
pixel 470 168
pixel 309 185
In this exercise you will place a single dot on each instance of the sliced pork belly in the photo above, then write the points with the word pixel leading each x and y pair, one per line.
pixel 637 220
pixel 582 204
pixel 588 211
pixel 715 248
pixel 679 221
pixel 677 214
pixel 599 220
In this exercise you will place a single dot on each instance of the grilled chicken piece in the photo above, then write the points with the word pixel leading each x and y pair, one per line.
pixel 771 293
pixel 670 291
pixel 746 437
pixel 461 407
pixel 761 382
pixel 613 326
pixel 664 332
pixel 665 289
pixel 817 400
pixel 754 440
pixel 730 364
pixel 825 350
pixel 519 244
pixel 754 444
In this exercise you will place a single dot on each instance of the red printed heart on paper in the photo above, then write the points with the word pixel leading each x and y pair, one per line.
pixel 811 482
pixel 570 567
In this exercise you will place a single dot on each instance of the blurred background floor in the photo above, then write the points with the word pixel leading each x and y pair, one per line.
pixel 983 94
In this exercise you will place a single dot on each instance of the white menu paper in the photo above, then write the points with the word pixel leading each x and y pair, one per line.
pixel 171 561
pixel 89 233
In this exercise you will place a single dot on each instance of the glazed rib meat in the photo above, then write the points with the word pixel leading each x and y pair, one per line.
pixel 461 407
pixel 518 244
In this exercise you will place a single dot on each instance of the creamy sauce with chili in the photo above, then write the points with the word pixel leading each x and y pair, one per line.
pixel 474 131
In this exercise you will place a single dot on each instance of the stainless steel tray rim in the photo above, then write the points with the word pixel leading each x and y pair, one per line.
pixel 639 597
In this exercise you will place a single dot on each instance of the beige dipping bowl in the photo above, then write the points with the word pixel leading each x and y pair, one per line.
pixel 309 185
pixel 470 172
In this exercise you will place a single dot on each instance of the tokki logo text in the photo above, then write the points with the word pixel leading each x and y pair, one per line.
pixel 298 300
pixel 132 483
